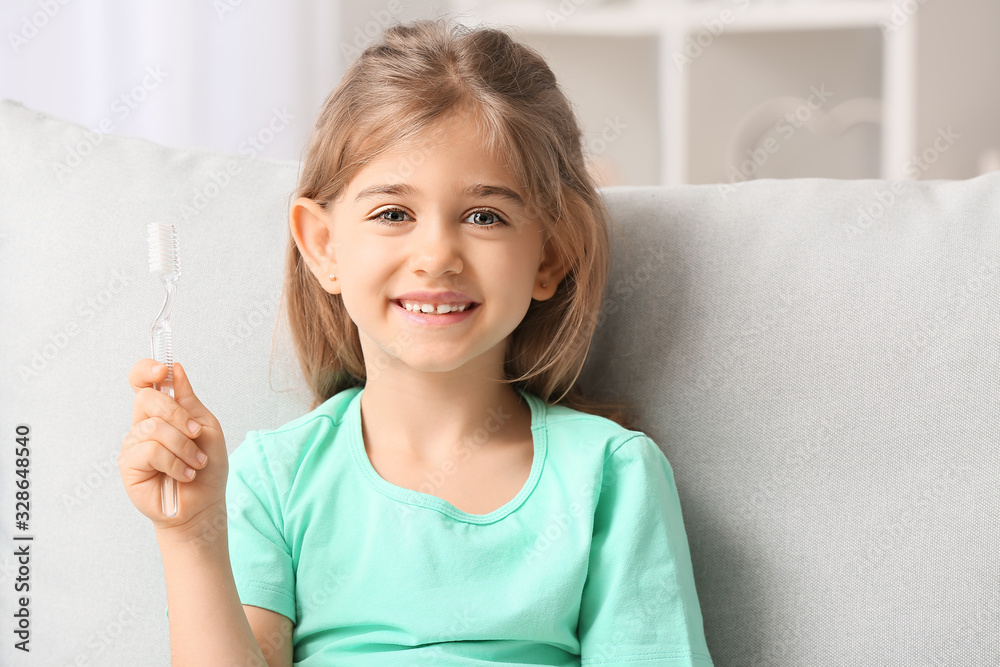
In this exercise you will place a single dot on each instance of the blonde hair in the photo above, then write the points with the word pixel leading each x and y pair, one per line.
pixel 401 85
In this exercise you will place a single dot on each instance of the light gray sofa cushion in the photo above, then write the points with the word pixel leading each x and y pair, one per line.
pixel 822 375
pixel 827 388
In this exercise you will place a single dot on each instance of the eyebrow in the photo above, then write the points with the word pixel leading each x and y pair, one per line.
pixel 476 189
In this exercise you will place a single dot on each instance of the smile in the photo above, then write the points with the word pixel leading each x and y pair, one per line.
pixel 426 314
pixel 416 307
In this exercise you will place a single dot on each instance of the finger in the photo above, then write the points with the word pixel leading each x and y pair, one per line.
pixel 152 455
pixel 141 459
pixel 156 430
pixel 145 372
pixel 152 403
pixel 185 396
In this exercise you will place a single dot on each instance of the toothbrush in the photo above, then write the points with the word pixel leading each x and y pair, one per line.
pixel 164 262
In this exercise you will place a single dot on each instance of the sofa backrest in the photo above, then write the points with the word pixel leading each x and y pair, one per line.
pixel 817 358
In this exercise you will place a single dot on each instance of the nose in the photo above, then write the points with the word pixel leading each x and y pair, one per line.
pixel 437 247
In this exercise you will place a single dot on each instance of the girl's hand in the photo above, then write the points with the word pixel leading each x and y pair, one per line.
pixel 160 441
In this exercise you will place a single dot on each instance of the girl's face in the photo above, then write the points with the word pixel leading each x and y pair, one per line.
pixel 441 217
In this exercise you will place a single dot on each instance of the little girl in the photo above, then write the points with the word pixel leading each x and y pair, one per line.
pixel 451 498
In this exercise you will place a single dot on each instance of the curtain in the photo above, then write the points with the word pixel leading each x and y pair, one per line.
pixel 226 75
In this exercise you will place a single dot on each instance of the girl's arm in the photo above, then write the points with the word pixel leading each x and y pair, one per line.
pixel 274 634
pixel 208 625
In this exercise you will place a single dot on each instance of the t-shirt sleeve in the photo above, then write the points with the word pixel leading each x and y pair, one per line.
pixel 260 556
pixel 639 601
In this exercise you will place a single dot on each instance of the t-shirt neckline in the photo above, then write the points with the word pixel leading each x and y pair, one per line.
pixel 418 498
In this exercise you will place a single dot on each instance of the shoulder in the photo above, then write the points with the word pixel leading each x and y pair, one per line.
pixel 608 439
pixel 279 452
pixel 621 468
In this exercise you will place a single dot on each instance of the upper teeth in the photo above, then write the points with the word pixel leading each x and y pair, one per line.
pixel 431 308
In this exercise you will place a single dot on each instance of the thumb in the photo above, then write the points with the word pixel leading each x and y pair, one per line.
pixel 185 397
pixel 210 439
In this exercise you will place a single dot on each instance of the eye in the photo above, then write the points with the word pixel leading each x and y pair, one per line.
pixel 394 219
pixel 482 218
pixel 490 219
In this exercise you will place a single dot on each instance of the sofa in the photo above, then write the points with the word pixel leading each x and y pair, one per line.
pixel 819 360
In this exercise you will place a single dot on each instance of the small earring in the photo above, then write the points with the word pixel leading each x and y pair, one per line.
pixel 332 276
pixel 544 284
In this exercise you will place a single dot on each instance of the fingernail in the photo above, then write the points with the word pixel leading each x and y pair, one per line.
pixel 157 368
pixel 194 427
pixel 189 472
pixel 201 457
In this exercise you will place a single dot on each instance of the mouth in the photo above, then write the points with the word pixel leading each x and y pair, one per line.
pixel 435 319
pixel 472 306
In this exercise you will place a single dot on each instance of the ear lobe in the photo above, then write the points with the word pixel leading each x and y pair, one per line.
pixel 551 271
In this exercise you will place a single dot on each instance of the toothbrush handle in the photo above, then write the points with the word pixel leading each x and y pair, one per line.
pixel 163 352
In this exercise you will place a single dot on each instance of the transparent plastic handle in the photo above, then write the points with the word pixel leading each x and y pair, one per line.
pixel 164 353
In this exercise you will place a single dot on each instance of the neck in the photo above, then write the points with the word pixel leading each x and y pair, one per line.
pixel 407 414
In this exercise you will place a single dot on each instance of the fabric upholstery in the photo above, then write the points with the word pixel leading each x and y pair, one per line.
pixel 817 358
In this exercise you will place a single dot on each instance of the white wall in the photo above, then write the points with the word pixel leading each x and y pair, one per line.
pixel 959 66
pixel 229 73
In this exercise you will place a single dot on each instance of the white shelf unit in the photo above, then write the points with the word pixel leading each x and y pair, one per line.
pixel 673 23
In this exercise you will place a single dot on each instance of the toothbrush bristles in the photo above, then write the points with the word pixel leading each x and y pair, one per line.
pixel 163 255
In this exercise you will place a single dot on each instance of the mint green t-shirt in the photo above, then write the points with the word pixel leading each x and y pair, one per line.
pixel 587 565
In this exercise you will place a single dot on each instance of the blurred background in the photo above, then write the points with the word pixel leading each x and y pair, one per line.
pixel 668 91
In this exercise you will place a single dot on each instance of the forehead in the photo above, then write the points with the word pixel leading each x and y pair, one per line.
pixel 460 142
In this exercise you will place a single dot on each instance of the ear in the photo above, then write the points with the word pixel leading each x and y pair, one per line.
pixel 551 271
pixel 311 225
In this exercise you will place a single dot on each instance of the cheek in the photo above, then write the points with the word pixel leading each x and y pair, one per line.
pixel 517 288
pixel 509 269
pixel 363 258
